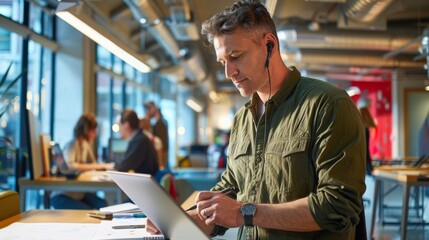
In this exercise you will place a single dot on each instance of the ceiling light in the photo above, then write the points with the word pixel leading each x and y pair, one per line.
pixel 91 29
pixel 314 26
pixel 192 103
pixel 143 21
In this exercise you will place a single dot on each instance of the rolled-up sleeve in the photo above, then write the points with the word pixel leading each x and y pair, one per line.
pixel 339 153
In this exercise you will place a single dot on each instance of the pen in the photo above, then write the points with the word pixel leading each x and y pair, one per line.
pixel 129 215
pixel 128 226
pixel 102 215
pixel 225 191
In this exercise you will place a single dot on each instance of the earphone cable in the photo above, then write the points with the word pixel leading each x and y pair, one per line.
pixel 266 112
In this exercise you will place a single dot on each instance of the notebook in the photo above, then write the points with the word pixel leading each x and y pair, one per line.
pixel 157 204
pixel 121 208
pixel 59 163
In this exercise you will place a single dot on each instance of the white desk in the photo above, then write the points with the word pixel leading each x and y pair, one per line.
pixel 406 177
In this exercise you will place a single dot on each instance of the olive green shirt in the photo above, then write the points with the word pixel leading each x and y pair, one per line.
pixel 314 147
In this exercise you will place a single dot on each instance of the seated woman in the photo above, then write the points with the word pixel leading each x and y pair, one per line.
pixel 79 155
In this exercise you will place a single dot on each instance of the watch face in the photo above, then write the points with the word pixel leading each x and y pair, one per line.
pixel 248 209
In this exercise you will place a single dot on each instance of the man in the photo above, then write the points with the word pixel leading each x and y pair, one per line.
pixel 159 129
pixel 297 148
pixel 140 155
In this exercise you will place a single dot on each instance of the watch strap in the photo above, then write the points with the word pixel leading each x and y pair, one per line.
pixel 248 220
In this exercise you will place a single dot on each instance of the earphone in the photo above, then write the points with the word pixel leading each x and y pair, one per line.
pixel 270 46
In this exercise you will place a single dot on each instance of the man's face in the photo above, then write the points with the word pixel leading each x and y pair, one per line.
pixel 124 129
pixel 244 61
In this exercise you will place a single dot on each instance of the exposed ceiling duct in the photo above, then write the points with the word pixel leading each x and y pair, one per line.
pixel 365 10
pixel 147 14
pixel 328 39
pixel 345 35
pixel 354 60
pixel 310 50
pixel 180 22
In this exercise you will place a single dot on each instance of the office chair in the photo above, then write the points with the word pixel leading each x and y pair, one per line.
pixel 166 180
pixel 9 204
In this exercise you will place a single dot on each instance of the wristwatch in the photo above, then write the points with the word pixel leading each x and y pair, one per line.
pixel 248 210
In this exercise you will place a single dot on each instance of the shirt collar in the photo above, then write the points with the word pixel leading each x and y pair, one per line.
pixel 132 135
pixel 285 91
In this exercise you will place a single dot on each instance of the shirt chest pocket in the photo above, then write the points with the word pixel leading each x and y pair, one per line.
pixel 288 168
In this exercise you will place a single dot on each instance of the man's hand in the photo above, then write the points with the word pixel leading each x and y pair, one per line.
pixel 218 208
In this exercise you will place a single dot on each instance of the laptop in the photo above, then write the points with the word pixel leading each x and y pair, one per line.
pixel 59 165
pixel 157 204
pixel 117 149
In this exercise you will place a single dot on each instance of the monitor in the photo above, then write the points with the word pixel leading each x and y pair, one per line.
pixel 117 149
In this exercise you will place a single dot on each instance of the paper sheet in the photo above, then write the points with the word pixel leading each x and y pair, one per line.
pixel 49 231
pixel 106 231
pixel 123 207
pixel 73 231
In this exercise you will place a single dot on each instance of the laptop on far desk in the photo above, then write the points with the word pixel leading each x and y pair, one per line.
pixel 173 222
pixel 116 150
pixel 59 165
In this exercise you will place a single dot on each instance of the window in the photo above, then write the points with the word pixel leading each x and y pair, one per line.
pixel 118 103
pixel 9 122
pixel 39 78
pixel 5 45
pixel 39 84
pixel 103 110
pixel 103 57
pixel 36 19
pixel 11 9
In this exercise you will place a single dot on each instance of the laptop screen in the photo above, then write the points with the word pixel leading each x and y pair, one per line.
pixel 57 158
pixel 117 149
pixel 59 165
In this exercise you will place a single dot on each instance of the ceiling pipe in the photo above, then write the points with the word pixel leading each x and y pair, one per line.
pixel 147 14
pixel 365 10
pixel 308 58
pixel 299 37
pixel 149 18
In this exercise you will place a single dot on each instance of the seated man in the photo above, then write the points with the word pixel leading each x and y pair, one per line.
pixel 140 156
